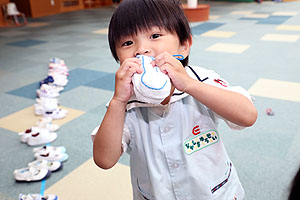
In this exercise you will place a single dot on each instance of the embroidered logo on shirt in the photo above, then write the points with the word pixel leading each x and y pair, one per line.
pixel 196 130
pixel 221 82
pixel 200 141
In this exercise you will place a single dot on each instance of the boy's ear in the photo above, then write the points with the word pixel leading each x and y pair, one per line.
pixel 185 47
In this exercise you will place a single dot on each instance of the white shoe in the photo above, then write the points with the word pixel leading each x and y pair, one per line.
pixel 46 149
pixel 42 108
pixel 57 61
pixel 37 197
pixel 47 91
pixel 56 114
pixel 58 71
pixel 46 122
pixel 45 101
pixel 27 133
pixel 51 156
pixel 44 136
pixel 59 79
pixel 45 164
pixel 31 174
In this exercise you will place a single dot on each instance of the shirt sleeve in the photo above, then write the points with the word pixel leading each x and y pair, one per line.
pixel 125 137
pixel 215 79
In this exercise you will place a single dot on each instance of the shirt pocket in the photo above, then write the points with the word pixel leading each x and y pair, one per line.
pixel 224 187
pixel 145 195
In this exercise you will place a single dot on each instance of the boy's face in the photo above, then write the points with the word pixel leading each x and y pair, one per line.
pixel 151 42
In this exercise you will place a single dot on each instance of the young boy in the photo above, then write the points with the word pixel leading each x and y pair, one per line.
pixel 175 149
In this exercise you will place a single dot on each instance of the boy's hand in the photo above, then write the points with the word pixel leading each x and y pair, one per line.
pixel 123 84
pixel 169 65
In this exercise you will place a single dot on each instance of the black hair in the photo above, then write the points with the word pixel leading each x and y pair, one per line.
pixel 133 16
pixel 295 187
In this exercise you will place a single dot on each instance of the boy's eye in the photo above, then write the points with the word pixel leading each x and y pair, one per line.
pixel 156 35
pixel 127 43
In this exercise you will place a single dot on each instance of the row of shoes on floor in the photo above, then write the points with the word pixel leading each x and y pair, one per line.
pixel 48 158
pixel 47 105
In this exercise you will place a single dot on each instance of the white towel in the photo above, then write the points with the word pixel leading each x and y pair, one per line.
pixel 151 86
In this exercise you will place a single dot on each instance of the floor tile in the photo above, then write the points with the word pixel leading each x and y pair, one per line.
pixel 12 103
pixel 274 20
pixel 276 89
pixel 90 182
pixel 27 91
pixel 219 34
pixel 207 26
pixel 257 16
pixel 281 37
pixel 213 17
pixel 284 13
pixel 101 31
pixel 24 119
pixel 228 48
pixel 26 43
pixel 89 98
pixel 106 82
pixel 288 27
pixel 241 12
pixel 81 76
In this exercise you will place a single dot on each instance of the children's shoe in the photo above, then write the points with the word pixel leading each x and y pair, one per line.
pixel 27 133
pixel 46 123
pixel 45 101
pixel 37 197
pixel 47 91
pixel 61 71
pixel 44 136
pixel 51 156
pixel 40 109
pixel 45 164
pixel 45 149
pixel 30 197
pixel 47 80
pixel 57 61
pixel 59 79
pixel 30 174
pixel 56 114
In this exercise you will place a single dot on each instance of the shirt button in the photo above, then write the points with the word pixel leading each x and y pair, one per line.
pixel 175 165
pixel 167 129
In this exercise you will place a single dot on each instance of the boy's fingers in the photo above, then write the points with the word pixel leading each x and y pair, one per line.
pixel 165 58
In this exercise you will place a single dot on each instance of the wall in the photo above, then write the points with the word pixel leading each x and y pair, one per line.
pixel 2 21
pixel 41 8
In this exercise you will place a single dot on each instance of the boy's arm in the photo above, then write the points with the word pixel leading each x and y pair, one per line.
pixel 230 105
pixel 107 147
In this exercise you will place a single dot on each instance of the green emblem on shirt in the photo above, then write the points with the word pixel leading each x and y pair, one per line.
pixel 200 141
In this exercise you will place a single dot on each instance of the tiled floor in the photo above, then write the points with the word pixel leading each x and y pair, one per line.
pixel 252 45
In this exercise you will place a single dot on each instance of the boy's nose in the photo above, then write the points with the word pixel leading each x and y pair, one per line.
pixel 143 51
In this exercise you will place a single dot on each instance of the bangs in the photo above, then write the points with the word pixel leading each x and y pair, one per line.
pixel 140 16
